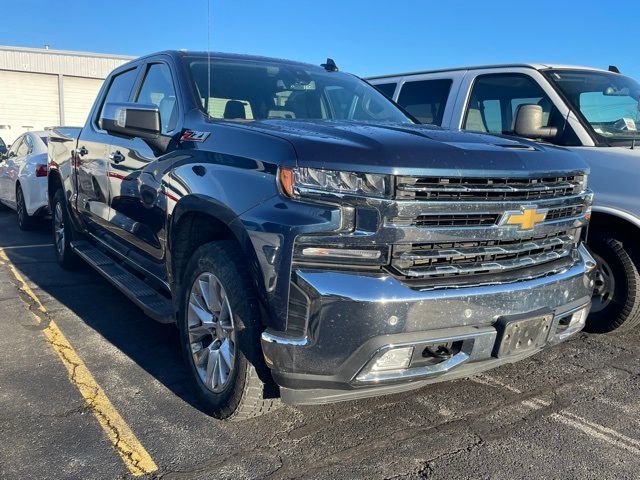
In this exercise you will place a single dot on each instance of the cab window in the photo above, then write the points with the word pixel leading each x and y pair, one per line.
pixel 120 87
pixel 495 100
pixel 426 99
pixel 157 89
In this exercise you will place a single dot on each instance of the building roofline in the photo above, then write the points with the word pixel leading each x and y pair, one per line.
pixel 71 53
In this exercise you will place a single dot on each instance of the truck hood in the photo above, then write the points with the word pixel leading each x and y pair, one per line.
pixel 411 149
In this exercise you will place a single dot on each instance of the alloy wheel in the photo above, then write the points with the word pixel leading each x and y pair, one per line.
pixel 20 206
pixel 58 228
pixel 605 285
pixel 211 332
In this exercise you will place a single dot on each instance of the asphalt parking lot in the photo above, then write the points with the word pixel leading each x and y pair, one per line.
pixel 73 348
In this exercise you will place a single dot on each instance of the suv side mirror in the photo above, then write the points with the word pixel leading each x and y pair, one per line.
pixel 131 120
pixel 529 124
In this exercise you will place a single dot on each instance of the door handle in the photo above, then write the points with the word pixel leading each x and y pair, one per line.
pixel 116 157
pixel 82 151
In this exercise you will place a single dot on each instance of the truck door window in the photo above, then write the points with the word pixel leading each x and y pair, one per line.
pixel 157 89
pixel 120 88
pixel 425 99
pixel 387 89
pixel 496 98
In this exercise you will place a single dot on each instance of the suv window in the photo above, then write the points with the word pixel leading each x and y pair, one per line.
pixel 157 89
pixel 24 148
pixel 120 87
pixel 13 151
pixel 387 89
pixel 426 99
pixel 28 141
pixel 495 100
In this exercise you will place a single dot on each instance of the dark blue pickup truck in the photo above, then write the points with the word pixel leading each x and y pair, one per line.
pixel 310 241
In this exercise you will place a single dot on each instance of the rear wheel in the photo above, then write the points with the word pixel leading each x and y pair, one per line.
pixel 25 221
pixel 616 297
pixel 63 232
pixel 220 335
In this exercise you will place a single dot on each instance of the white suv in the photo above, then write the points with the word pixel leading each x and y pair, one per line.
pixel 593 112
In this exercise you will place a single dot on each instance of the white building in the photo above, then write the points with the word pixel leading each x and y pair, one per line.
pixel 42 88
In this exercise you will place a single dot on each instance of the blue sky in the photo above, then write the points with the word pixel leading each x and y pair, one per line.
pixel 365 37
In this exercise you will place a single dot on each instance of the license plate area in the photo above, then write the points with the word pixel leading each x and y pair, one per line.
pixel 518 335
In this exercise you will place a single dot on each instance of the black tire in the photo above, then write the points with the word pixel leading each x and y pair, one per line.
pixel 249 391
pixel 25 221
pixel 66 257
pixel 616 302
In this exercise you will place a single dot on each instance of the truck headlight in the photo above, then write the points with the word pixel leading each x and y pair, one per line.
pixel 315 181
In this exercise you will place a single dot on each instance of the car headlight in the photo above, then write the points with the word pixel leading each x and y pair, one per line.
pixel 310 181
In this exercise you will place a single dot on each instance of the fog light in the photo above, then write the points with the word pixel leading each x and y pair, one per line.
pixel 579 319
pixel 395 359
pixel 570 325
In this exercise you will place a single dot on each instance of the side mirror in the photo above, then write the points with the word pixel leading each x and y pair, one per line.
pixel 529 123
pixel 131 120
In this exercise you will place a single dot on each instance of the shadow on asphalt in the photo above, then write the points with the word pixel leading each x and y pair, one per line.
pixel 153 346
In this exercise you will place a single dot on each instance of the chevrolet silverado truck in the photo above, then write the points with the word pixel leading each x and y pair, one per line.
pixel 312 242
pixel 595 113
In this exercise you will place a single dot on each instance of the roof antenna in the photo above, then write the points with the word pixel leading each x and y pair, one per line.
pixel 208 55
pixel 330 66
pixel 614 69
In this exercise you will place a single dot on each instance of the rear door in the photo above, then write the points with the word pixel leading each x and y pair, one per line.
pixel 92 154
pixel 429 97
pixel 137 202
pixel 8 174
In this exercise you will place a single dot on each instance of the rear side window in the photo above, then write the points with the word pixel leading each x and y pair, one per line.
pixel 23 149
pixel 387 89
pixel 120 87
pixel 426 99
pixel 157 89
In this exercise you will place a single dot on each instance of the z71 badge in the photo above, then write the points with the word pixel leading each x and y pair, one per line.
pixel 192 136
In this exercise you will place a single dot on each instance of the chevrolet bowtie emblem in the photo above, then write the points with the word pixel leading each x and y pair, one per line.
pixel 526 218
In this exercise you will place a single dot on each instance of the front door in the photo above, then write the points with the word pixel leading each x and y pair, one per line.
pixel 138 207
pixel 92 157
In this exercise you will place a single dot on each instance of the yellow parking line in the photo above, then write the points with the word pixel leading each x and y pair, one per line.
pixel 23 285
pixel 133 454
pixel 18 247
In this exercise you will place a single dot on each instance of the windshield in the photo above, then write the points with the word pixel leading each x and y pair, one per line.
pixel 247 90
pixel 608 102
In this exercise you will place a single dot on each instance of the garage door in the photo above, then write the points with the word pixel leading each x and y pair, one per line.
pixel 79 94
pixel 28 101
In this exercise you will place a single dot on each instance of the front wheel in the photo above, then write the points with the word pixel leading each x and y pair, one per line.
pixel 616 297
pixel 219 324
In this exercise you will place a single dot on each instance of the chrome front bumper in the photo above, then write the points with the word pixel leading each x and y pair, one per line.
pixel 355 318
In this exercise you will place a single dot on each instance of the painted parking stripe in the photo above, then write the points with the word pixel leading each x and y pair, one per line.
pixel 593 429
pixel 18 247
pixel 133 454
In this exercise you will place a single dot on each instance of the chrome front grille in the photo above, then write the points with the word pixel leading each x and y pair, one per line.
pixel 483 189
pixel 441 220
pixel 433 260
